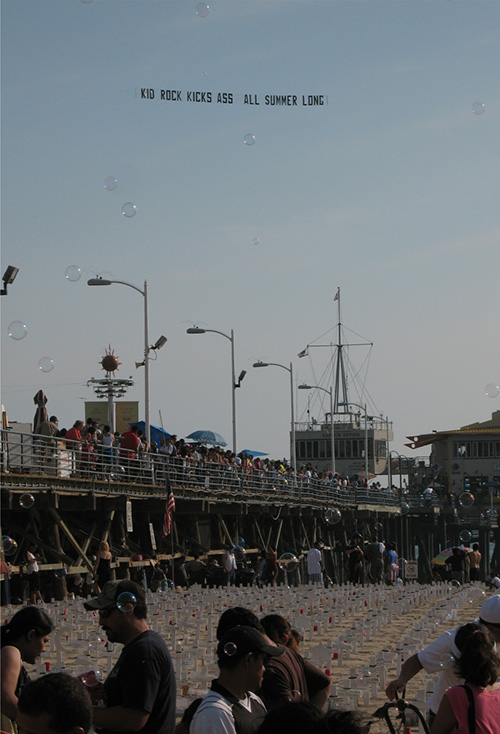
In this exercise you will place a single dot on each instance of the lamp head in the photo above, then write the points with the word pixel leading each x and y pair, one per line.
pixel 195 330
pixel 260 364
pixel 10 275
pixel 98 281
pixel 160 342
pixel 305 387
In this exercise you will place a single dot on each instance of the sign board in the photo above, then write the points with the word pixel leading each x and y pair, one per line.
pixel 128 510
pixel 411 570
pixel 98 411
pixel 126 411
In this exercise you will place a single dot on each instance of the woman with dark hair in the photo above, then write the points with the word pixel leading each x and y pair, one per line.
pixel 478 701
pixel 23 639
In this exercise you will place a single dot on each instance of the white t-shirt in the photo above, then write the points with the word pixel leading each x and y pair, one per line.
pixel 314 561
pixel 434 656
pixel 32 563
pixel 214 714
pixel 495 581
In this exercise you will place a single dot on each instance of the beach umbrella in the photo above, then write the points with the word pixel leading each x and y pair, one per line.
pixel 249 452
pixel 442 557
pixel 209 437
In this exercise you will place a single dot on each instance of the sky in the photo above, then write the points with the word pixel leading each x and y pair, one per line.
pixel 389 190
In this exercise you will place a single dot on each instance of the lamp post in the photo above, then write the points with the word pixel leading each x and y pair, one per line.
pixel 234 384
pixel 293 456
pixel 363 408
pixel 144 294
pixel 332 422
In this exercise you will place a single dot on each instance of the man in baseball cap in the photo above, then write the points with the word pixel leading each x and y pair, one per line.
pixel 431 657
pixel 231 706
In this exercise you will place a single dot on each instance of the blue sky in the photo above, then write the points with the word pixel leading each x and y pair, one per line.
pixel 390 191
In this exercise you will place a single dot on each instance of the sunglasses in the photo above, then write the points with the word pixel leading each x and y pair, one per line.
pixel 104 613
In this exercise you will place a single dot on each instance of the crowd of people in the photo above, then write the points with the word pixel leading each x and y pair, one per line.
pixel 264 684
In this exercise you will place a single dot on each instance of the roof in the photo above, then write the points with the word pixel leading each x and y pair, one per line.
pixel 486 428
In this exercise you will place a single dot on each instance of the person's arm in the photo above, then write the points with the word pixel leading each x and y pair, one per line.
pixel 409 669
pixel 321 697
pixel 10 669
pixel 120 718
pixel 445 719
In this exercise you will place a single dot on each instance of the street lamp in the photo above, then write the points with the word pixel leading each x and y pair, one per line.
pixel 363 408
pixel 147 348
pixel 8 278
pixel 332 422
pixel 293 456
pixel 234 384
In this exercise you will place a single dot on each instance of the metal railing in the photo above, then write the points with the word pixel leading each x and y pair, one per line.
pixel 107 470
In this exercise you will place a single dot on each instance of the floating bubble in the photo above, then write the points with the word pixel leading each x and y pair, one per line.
pixel 466 499
pixel 447 661
pixel 399 582
pixel 126 602
pixel 230 649
pixel 9 545
pixel 129 210
pixel 73 273
pixel 455 583
pixel 255 241
pixel 238 541
pixel 118 473
pixel 490 515
pixel 465 536
pixel 46 364
pixel 202 10
pixel 26 500
pixel 378 527
pixel 492 390
pixel 249 139
pixel 60 573
pixel 91 678
pixel 404 508
pixel 166 584
pixel 17 330
pixel 333 516
pixel 239 553
pixel 288 562
pixel 478 108
pixel 110 183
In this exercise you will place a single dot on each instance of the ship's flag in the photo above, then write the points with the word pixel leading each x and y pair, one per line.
pixel 169 508
pixel 337 295
pixel 303 353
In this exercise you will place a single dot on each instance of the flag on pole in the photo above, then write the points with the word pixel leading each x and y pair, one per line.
pixel 337 295
pixel 169 508
pixel 304 353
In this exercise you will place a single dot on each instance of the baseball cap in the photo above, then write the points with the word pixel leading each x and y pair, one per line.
pixel 241 639
pixel 490 611
pixel 111 591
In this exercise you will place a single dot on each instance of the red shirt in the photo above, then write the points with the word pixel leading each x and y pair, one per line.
pixel 130 442
pixel 73 435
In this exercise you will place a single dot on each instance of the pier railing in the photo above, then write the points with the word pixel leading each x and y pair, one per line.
pixel 98 469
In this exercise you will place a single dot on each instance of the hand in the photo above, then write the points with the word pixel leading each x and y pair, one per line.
pixel 393 687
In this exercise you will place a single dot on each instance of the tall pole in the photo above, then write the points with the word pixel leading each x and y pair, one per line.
pixel 146 366
pixel 366 447
pixel 389 472
pixel 293 455
pixel 332 431
pixel 233 393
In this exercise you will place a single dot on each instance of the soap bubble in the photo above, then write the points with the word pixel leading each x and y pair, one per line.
pixel 46 364
pixel 478 108
pixel 288 562
pixel 9 545
pixel 399 582
pixel 255 241
pixel 166 584
pixel 60 573
pixel 202 10
pixel 73 273
pixel 466 499
pixel 26 500
pixel 230 649
pixel 378 527
pixel 465 536
pixel 447 661
pixel 492 390
pixel 333 516
pixel 455 583
pixel 91 678
pixel 404 508
pixel 490 515
pixel 126 602
pixel 110 183
pixel 17 330
pixel 238 541
pixel 118 473
pixel 239 553
pixel 129 210
pixel 249 139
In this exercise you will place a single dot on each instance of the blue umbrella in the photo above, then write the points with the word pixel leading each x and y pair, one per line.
pixel 156 433
pixel 215 439
pixel 249 452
